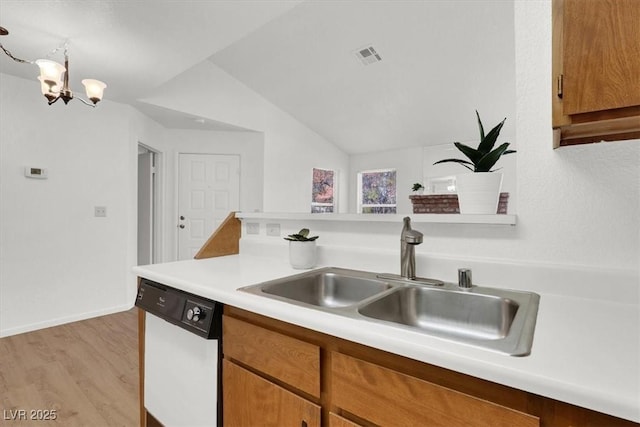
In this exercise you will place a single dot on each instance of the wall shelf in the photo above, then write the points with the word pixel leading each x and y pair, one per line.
pixel 416 218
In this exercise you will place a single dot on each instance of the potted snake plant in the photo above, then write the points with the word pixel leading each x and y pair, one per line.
pixel 479 190
pixel 302 249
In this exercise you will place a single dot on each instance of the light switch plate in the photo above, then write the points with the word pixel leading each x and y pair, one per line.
pixel 273 230
pixel 253 228
pixel 100 211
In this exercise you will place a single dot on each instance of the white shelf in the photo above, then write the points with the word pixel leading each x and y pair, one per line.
pixel 421 218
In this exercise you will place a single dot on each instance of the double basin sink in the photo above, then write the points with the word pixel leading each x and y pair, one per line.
pixel 494 319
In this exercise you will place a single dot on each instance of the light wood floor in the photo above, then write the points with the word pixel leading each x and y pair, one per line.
pixel 85 372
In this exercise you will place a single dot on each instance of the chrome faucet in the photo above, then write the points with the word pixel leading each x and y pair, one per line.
pixel 408 240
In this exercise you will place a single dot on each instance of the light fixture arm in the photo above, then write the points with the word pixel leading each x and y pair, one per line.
pixel 10 55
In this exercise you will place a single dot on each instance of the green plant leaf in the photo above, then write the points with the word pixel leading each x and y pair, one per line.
pixel 301 236
pixel 489 160
pixel 471 153
pixel 487 143
pixel 480 126
pixel 462 162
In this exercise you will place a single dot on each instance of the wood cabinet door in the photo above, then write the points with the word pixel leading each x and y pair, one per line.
pixel 601 55
pixel 338 421
pixel 389 398
pixel 294 362
pixel 250 401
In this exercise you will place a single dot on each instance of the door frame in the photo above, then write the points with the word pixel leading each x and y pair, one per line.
pixel 157 217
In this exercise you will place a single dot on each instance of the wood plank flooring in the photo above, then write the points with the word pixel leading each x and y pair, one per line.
pixel 81 374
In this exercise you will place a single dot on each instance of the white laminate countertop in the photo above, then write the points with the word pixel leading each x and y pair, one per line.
pixel 585 352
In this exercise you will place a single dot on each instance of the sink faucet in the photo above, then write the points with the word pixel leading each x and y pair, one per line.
pixel 408 240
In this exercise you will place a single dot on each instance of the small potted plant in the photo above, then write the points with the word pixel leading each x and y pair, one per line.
pixel 417 188
pixel 302 249
pixel 479 191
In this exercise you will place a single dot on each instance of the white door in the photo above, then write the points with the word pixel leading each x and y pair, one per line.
pixel 208 189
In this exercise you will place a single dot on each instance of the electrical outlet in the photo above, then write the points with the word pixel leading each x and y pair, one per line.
pixel 253 228
pixel 273 230
pixel 100 211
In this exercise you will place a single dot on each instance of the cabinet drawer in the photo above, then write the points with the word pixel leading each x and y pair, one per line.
pixel 368 391
pixel 287 359
pixel 250 400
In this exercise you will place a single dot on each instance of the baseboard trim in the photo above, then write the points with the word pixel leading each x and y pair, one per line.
pixel 63 320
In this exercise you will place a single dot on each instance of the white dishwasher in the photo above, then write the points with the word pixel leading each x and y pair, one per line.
pixel 181 357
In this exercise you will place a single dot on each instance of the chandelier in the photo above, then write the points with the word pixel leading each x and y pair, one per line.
pixel 54 78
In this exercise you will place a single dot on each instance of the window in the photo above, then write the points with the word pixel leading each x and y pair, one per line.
pixel 377 191
pixel 323 191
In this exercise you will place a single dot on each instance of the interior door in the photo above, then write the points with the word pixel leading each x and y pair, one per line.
pixel 208 189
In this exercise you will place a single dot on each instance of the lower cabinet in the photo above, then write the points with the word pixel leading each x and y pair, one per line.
pixel 250 401
pixel 277 374
pixel 386 397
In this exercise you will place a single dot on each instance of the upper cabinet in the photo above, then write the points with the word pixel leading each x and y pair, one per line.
pixel 596 70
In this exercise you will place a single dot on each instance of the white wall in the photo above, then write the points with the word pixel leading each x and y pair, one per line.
pixel 577 207
pixel 57 261
pixel 291 150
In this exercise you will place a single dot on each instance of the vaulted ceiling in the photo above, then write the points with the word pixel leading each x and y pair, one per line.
pixel 441 59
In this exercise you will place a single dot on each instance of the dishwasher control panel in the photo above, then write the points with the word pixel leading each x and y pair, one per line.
pixel 197 314
pixel 191 312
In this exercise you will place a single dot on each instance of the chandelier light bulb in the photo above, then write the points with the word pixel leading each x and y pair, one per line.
pixel 51 71
pixel 49 89
pixel 95 89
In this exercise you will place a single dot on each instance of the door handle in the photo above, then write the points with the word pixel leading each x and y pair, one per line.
pixel 181 226
pixel 181 217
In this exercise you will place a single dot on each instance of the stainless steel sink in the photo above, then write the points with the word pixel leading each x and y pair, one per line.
pixel 329 287
pixel 445 312
pixel 494 319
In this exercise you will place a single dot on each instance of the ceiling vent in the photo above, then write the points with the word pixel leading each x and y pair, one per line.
pixel 368 55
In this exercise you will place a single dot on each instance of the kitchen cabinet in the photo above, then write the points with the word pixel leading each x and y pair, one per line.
pixel 370 390
pixel 255 359
pixel 349 384
pixel 595 69
pixel 250 400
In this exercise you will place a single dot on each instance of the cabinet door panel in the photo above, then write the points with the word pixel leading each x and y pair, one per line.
pixel 386 397
pixel 292 361
pixel 250 401
pixel 601 50
pixel 338 421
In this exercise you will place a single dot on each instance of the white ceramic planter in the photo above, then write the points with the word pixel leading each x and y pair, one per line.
pixel 479 192
pixel 302 255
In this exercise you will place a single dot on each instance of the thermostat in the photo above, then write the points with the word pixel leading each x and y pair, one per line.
pixel 39 173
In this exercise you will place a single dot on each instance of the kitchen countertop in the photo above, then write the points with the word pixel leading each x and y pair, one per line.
pixel 585 351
